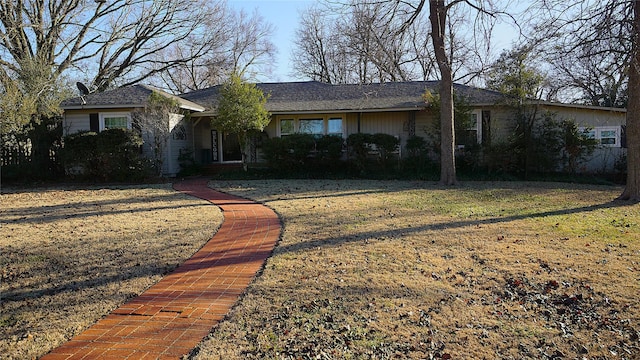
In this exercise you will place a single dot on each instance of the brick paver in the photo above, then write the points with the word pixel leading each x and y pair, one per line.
pixel 169 319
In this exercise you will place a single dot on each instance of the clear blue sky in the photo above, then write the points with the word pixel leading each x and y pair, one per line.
pixel 284 15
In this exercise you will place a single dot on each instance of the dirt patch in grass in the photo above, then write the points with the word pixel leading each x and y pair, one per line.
pixel 369 269
pixel 70 256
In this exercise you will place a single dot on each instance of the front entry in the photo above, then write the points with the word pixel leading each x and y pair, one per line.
pixel 225 147
pixel 231 147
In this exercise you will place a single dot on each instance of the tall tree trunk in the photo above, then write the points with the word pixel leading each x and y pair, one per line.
pixel 632 190
pixel 438 19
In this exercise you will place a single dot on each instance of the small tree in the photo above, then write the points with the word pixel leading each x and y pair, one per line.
pixel 578 145
pixel 515 76
pixel 154 121
pixel 241 111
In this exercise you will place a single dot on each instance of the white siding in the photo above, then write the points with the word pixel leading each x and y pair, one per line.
pixel 75 122
pixel 176 143
pixel 391 123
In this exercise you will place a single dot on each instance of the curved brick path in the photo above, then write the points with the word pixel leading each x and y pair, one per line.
pixel 171 318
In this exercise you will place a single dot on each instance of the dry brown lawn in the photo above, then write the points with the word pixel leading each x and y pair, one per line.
pixel 70 256
pixel 394 270
pixel 364 269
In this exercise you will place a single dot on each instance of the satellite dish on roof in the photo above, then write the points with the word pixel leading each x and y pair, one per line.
pixel 84 90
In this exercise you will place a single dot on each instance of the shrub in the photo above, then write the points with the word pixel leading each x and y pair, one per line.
pixel 111 155
pixel 417 162
pixel 359 146
pixel 329 149
pixel 275 152
pixel 386 145
pixel 500 158
pixel 188 166
pixel 300 147
pixel 289 152
pixel 361 150
pixel 416 146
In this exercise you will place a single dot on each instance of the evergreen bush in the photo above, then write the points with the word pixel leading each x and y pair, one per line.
pixel 111 155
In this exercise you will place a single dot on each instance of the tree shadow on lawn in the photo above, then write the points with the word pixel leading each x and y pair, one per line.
pixel 92 274
pixel 333 188
pixel 52 213
pixel 132 269
pixel 334 241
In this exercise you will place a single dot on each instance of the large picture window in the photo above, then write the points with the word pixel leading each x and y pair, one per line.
pixel 318 126
pixel 115 121
pixel 312 126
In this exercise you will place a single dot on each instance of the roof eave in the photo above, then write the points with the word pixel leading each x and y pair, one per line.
pixel 99 107
pixel 586 107
pixel 192 107
pixel 325 111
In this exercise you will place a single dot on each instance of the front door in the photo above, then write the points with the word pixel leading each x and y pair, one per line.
pixel 224 147
pixel 231 147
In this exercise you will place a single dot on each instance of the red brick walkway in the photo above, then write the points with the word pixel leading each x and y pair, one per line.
pixel 173 316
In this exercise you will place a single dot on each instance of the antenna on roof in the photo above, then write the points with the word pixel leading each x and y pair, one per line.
pixel 84 90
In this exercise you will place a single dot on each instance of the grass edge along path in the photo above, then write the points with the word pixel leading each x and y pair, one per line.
pixel 169 319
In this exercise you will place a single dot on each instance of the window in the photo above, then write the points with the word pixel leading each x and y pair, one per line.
pixel 312 126
pixel 609 137
pixel 472 133
pixel 334 126
pixel 286 127
pixel 606 136
pixel 317 126
pixel 115 121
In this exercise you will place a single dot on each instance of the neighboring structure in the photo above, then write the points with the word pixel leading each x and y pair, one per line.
pixel 396 108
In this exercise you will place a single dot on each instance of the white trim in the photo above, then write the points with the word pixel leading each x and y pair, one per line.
pixel 478 127
pixel 597 133
pixel 104 115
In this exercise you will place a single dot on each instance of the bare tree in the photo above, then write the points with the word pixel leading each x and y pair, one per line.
pixel 379 41
pixel 632 190
pixel 321 49
pixel 603 30
pixel 443 37
pixel 588 53
pixel 181 44
pixel 362 42
pixel 252 52
pixel 233 43
pixel 111 42
pixel 311 54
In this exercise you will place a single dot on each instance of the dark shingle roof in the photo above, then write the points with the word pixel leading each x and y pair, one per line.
pixel 291 97
pixel 313 96
pixel 128 96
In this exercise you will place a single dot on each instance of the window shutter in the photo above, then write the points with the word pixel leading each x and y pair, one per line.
pixel 486 127
pixel 94 123
pixel 623 136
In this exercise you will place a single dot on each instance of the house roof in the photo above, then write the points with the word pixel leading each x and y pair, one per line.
pixel 135 96
pixel 313 96
pixel 304 97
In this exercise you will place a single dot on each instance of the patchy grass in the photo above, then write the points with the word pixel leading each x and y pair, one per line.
pixel 372 269
pixel 70 256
